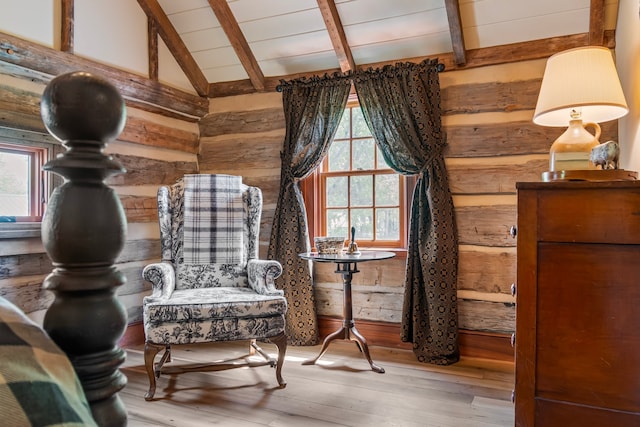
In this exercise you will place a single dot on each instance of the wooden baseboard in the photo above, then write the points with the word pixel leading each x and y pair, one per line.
pixel 485 345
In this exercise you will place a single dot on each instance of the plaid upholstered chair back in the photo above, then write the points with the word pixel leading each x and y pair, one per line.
pixel 171 214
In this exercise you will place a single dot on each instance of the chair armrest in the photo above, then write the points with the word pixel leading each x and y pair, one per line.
pixel 162 277
pixel 262 274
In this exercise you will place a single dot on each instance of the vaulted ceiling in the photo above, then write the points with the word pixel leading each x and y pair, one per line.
pixel 238 46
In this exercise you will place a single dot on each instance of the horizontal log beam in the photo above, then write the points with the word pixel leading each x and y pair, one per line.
pixel 493 177
pixel 486 225
pixel 387 273
pixel 140 209
pixel 488 270
pixel 488 316
pixel 39 263
pixel 144 171
pixel 240 152
pixel 144 93
pixel 508 138
pixel 20 109
pixel 145 132
pixel 270 186
pixel 234 122
pixel 27 293
pixel 488 97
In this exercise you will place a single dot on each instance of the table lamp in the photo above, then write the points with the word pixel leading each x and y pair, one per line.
pixel 580 88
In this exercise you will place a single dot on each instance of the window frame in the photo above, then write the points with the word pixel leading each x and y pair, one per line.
pixel 313 191
pixel 43 148
pixel 37 178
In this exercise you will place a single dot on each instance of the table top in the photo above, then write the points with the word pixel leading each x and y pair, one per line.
pixel 344 257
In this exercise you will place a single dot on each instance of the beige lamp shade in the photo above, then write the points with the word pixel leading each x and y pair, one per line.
pixel 582 79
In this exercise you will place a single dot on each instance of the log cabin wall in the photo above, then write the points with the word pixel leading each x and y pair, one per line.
pixel 492 144
pixel 155 150
pixel 243 135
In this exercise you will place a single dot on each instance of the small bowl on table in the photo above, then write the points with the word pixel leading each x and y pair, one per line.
pixel 329 245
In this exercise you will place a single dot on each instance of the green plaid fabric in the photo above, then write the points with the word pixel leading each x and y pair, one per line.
pixel 38 385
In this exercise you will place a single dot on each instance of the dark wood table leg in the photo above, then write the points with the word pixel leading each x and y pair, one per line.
pixel 362 344
pixel 339 334
pixel 348 330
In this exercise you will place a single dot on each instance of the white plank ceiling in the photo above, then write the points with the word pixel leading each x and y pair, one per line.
pixel 290 36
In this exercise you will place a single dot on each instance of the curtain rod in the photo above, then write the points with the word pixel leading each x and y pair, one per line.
pixel 439 68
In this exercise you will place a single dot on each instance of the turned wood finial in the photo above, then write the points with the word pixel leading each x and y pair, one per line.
pixel 83 231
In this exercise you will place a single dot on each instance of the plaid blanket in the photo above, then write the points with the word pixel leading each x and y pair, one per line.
pixel 213 215
pixel 38 385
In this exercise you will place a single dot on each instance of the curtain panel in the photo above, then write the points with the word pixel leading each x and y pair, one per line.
pixel 401 105
pixel 312 108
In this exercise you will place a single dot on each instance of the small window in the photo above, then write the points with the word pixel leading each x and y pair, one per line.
pixel 354 187
pixel 24 186
pixel 21 183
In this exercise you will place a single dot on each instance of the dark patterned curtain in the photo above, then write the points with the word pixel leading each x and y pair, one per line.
pixel 401 105
pixel 312 110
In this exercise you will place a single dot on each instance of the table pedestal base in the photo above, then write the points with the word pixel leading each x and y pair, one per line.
pixel 347 333
pixel 348 330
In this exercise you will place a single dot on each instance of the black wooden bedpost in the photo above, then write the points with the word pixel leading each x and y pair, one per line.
pixel 83 231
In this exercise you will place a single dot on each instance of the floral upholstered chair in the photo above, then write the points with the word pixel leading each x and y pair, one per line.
pixel 218 296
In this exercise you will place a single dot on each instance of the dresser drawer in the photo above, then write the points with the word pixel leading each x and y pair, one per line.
pixel 589 216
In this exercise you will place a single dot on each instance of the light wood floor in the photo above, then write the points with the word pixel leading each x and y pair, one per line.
pixel 340 390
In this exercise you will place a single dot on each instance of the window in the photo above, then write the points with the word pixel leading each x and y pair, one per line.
pixel 24 186
pixel 354 187
pixel 21 183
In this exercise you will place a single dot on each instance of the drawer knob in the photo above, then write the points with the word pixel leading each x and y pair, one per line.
pixel 513 339
pixel 513 289
pixel 513 231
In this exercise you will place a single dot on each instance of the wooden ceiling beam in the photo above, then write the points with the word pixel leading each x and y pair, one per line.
pixel 239 43
pixel 152 48
pixel 177 47
pixel 336 34
pixel 455 28
pixel 596 22
pixel 66 28
pixel 524 51
pixel 28 58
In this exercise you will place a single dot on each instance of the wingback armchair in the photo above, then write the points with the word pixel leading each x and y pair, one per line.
pixel 208 302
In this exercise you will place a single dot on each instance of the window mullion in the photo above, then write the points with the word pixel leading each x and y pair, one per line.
pixel 373 207
pixel 33 185
pixel 349 225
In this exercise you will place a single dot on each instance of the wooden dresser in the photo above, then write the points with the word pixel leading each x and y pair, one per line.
pixel 578 304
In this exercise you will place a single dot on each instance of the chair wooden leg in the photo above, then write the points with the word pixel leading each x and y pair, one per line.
pixel 150 351
pixel 280 341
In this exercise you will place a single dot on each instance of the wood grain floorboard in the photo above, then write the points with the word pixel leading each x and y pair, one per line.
pixel 340 390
